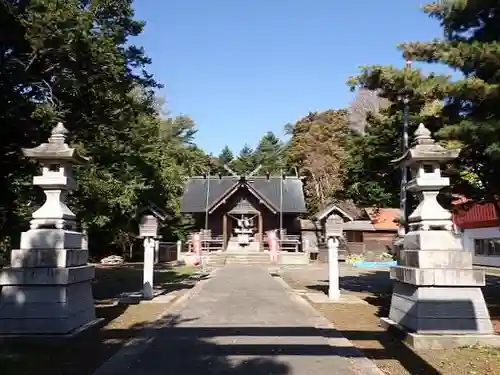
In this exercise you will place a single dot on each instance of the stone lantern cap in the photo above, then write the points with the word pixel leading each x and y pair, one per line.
pixel 425 148
pixel 56 149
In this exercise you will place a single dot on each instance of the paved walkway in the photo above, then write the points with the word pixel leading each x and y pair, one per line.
pixel 244 322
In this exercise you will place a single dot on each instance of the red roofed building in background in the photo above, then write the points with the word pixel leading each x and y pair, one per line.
pixel 480 229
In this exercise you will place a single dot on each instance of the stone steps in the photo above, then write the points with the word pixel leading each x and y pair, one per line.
pixel 216 260
pixel 219 260
pixel 247 259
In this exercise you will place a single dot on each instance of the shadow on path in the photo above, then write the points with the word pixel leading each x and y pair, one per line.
pixel 181 349
pixel 375 288
pixel 378 286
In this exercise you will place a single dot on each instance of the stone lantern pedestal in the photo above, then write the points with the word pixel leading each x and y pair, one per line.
pixel 47 288
pixel 437 299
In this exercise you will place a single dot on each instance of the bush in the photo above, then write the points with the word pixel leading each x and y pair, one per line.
pixel 354 258
pixel 386 256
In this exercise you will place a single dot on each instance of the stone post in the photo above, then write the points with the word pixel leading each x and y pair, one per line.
pixel 197 246
pixel 305 245
pixel 333 269
pixel 179 250
pixel 47 289
pixel 437 297
pixel 148 269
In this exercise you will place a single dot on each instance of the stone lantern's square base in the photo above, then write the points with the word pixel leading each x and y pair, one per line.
pixel 45 301
pixel 440 309
pixel 422 341
pixel 438 317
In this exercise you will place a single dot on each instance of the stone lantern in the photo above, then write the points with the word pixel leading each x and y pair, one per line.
pixel 437 299
pixel 47 288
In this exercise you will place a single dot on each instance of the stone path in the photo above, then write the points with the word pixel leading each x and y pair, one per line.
pixel 245 322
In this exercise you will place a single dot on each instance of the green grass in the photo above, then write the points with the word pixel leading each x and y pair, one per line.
pixel 109 282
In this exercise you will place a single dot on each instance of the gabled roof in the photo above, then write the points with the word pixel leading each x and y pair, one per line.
pixel 202 194
pixel 383 219
pixel 346 208
pixel 152 208
pixel 242 184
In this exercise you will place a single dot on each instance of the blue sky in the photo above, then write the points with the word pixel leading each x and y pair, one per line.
pixel 241 68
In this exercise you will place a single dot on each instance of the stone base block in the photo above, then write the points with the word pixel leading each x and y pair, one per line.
pixel 431 240
pixel 438 276
pixel 436 259
pixel 45 309
pixel 421 341
pixel 51 239
pixel 46 276
pixel 48 258
pixel 440 310
pixel 47 337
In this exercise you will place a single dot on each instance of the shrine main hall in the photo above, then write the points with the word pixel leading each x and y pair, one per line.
pixel 240 210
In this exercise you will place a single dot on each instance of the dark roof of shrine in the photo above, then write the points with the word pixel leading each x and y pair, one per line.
pixel 346 208
pixel 267 189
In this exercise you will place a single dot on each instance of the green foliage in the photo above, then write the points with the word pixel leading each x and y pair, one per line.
pixel 270 154
pixel 245 162
pixel 74 62
pixel 225 157
pixel 318 149
pixel 464 112
pixel 352 259
pixel 371 178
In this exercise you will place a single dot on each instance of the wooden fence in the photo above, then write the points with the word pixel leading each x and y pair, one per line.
pixel 167 252
pixel 290 243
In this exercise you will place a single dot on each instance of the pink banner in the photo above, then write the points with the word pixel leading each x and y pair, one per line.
pixel 197 246
pixel 273 246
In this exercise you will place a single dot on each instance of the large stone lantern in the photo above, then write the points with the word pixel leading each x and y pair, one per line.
pixel 437 299
pixel 47 288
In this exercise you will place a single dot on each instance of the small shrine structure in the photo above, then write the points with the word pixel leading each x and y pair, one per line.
pixel 47 288
pixel 437 299
pixel 241 209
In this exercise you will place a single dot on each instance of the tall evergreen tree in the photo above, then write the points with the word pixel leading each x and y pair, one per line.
pixel 270 153
pixel 246 161
pixel 371 179
pixel 74 61
pixel 225 157
pixel 464 113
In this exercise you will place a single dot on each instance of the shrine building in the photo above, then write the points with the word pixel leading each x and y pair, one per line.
pixel 239 210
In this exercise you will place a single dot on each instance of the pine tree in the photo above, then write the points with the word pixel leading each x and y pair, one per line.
pixel 246 161
pixel 225 157
pixel 371 178
pixel 465 112
pixel 270 153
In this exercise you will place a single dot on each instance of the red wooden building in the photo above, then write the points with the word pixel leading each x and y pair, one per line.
pixel 479 226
